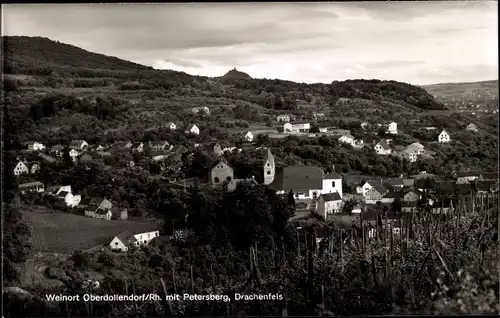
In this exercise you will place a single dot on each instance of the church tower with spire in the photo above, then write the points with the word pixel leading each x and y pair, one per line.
pixel 269 168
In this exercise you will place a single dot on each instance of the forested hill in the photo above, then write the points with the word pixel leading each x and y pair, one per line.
pixel 38 56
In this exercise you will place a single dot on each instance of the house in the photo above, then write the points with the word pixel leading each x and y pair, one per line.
pixel 391 128
pixel 323 130
pixel 78 144
pixel 444 137
pixel 395 183
pixel 318 116
pixel 391 196
pixel 382 148
pixel 171 126
pixel 69 199
pixel 137 147
pixel 297 127
pixel 487 176
pixel 249 136
pixel 160 155
pixel 193 129
pixel 104 214
pixel 34 145
pixel 56 150
pixel 122 145
pixel 91 206
pixel 220 172
pixel 36 186
pixel 21 168
pixel 375 194
pixel 200 110
pixel 159 146
pixel 364 125
pixel 86 158
pixel 471 127
pixel 122 242
pixel 409 154
pixel 119 213
pixel 417 147
pixel 328 203
pixel 412 196
pixel 305 182
pixel 467 176
pixel 347 139
pixel 283 118
pixel 356 209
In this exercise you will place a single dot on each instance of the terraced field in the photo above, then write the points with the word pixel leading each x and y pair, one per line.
pixel 57 232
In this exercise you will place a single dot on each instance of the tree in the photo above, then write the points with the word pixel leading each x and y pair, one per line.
pixel 290 198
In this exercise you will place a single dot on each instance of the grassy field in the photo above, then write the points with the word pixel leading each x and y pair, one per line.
pixel 57 232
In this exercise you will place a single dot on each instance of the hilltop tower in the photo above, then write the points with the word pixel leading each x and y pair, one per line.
pixel 269 168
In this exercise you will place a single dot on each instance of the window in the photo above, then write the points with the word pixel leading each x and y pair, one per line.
pixel 149 235
pixel 116 243
pixel 268 172
pixel 268 164
pixel 315 195
pixel 140 237
pixel 216 180
pixel 228 178
pixel 333 184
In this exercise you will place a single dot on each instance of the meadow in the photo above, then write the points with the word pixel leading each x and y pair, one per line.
pixel 58 232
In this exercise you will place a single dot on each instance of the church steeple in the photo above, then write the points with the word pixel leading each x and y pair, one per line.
pixel 269 168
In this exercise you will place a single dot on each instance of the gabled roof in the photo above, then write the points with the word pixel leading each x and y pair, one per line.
pixel 332 175
pixel 395 182
pixel 327 197
pixel 101 211
pixel 383 144
pixel 161 143
pixel 126 238
pixel 443 131
pixel 298 178
pixel 57 148
pixel 392 194
pixel 378 186
pixel 417 145
pixel 347 136
pixel 136 144
pixel 191 127
pixel 62 194
pixel 269 156
pixel 76 143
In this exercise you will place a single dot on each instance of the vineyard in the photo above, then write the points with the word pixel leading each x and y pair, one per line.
pixel 64 233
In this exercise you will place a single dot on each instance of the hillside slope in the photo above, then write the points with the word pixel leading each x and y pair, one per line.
pixel 235 74
pixel 466 96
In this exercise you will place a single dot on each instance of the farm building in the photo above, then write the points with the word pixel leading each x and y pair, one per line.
pixel 36 186
pixel 249 136
pixel 193 129
pixel 122 242
pixel 93 205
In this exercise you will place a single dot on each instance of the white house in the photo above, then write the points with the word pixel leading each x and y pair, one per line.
pixel 417 147
pixel 444 137
pixel 409 154
pixel 34 146
pixel 123 241
pixel 471 127
pixel 382 148
pixel 171 126
pixel 70 199
pixel 201 110
pixel 249 136
pixel 193 129
pixel 328 204
pixel 20 168
pixel 347 139
pixel 323 130
pixel 283 118
pixel 78 144
pixel 392 128
pixel 296 127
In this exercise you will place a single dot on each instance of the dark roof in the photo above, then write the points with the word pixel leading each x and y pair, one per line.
pixel 126 238
pixel 405 192
pixel 190 127
pixel 392 194
pixel 57 147
pixel 461 174
pixel 62 194
pixel 300 122
pixel 101 211
pixel 378 185
pixel 395 182
pixel 489 175
pixel 333 175
pixel 409 182
pixel 384 144
pixel 327 197
pixel 76 143
pixel 136 144
pixel 298 178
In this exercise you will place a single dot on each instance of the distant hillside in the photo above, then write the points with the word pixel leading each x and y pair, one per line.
pixel 466 95
pixel 235 74
pixel 32 50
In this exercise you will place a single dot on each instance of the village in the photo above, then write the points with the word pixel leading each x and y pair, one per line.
pixel 315 190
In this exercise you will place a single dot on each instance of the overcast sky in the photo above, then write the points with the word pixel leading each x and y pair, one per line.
pixel 415 42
